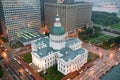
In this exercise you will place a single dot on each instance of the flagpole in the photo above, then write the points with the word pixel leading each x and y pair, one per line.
pixel 57 7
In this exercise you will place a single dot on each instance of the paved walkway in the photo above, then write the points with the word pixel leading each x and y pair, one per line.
pixel 111 34
pixel 100 67
pixel 106 61
pixel 34 73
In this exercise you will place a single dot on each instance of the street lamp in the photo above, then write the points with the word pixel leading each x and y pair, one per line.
pixel 100 54
pixel 111 55
pixel 4 55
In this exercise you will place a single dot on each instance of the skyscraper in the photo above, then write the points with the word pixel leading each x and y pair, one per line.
pixel 42 11
pixel 118 14
pixel 73 14
pixel 18 16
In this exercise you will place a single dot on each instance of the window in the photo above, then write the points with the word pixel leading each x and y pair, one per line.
pixel 61 69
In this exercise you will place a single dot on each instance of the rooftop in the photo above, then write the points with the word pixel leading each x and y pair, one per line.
pixel 28 36
pixel 65 1
pixel 68 54
pixel 44 40
pixel 113 74
pixel 45 51
pixel 57 29
pixel 72 41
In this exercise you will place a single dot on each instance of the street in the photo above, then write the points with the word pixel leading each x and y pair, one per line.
pixel 16 67
pixel 106 62
pixel 96 68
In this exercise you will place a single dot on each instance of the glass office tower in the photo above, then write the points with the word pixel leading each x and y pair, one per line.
pixel 18 16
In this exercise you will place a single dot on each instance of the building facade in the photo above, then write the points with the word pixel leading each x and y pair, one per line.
pixel 55 49
pixel 118 14
pixel 73 14
pixel 19 15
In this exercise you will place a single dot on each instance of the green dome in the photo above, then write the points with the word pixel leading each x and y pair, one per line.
pixel 57 30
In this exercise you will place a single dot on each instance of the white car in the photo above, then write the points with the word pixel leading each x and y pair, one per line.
pixel 18 62
pixel 15 59
pixel 28 71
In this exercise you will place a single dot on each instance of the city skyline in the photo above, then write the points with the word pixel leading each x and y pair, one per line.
pixel 59 40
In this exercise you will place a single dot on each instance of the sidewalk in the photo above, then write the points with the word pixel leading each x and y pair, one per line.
pixel 111 34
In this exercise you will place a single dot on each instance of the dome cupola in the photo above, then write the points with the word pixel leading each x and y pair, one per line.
pixel 57 35
pixel 57 29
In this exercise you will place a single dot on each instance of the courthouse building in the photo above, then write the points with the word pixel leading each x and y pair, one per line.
pixel 68 54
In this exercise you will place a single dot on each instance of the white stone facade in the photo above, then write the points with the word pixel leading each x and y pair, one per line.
pixel 46 62
pixel 67 54
pixel 53 58
pixel 72 65
pixel 57 42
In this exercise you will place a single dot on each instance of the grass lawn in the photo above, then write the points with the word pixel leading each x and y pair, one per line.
pixel 99 39
pixel 27 58
pixel 116 26
pixel 91 57
pixel 53 74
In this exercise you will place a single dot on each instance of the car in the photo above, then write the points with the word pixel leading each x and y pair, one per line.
pixel 32 77
pixel 15 59
pixel 10 71
pixel 28 71
pixel 20 73
pixel 5 66
pixel 1 58
pixel 18 62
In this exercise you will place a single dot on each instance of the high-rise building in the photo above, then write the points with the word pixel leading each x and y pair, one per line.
pixel 19 15
pixel 73 14
pixel 118 14
pixel 42 11
pixel 42 2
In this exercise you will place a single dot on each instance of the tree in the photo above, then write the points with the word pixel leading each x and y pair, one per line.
pixel 104 18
